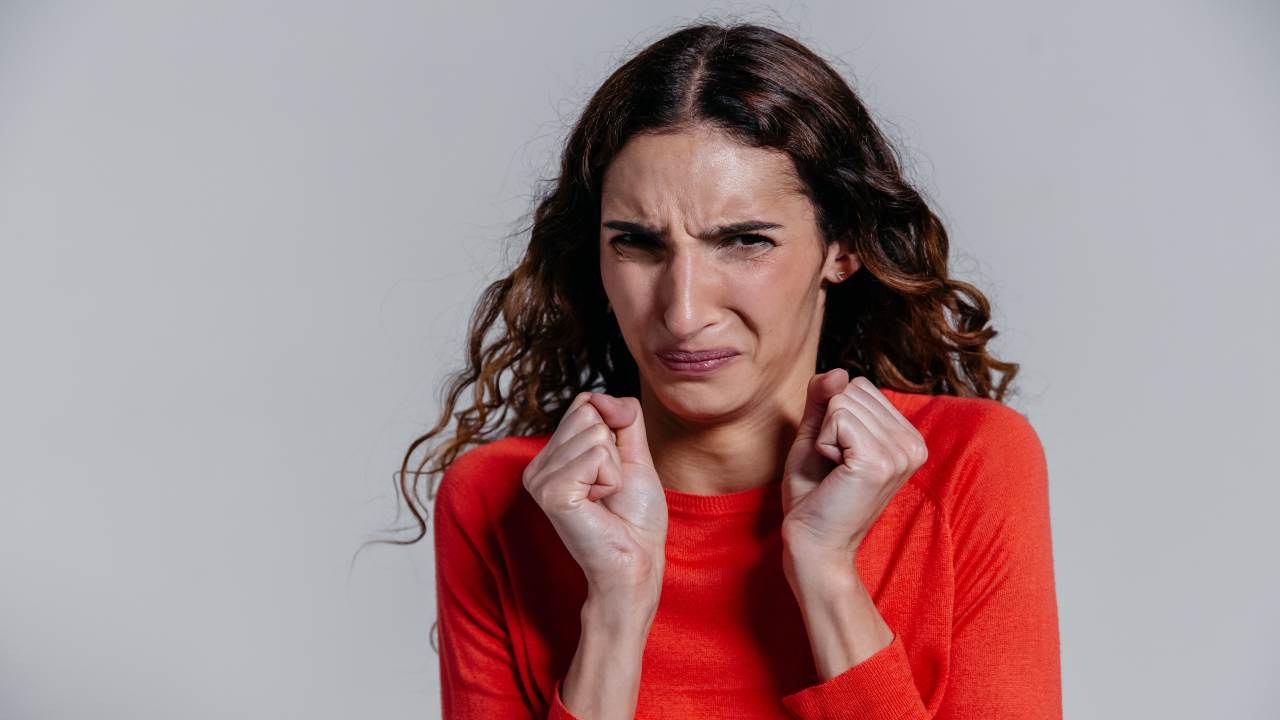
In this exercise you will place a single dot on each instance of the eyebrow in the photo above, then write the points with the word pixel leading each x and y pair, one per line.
pixel 737 228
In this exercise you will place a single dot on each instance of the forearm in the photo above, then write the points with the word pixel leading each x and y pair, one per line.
pixel 842 621
pixel 603 681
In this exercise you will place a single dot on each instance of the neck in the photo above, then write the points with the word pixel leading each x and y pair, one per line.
pixel 729 454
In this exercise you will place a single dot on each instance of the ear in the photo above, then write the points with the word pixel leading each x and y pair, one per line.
pixel 841 263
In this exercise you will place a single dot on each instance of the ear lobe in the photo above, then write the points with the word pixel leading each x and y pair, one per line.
pixel 843 261
pixel 846 264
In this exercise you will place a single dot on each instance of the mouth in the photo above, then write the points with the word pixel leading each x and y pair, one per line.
pixel 699 362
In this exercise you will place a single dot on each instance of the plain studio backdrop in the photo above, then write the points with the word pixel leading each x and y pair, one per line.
pixel 240 242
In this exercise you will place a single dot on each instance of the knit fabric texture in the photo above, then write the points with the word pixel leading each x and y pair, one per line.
pixel 959 564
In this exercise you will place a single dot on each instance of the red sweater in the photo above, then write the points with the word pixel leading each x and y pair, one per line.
pixel 959 564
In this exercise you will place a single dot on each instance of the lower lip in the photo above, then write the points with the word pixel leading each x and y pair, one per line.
pixel 702 367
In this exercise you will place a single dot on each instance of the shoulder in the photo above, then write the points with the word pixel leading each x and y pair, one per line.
pixel 486 476
pixel 481 463
pixel 980 450
pixel 967 424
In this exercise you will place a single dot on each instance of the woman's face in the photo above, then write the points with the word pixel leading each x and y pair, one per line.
pixel 680 277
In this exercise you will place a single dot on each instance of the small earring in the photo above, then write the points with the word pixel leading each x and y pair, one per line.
pixel 839 274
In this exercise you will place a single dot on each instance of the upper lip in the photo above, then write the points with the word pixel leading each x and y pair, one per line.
pixel 690 355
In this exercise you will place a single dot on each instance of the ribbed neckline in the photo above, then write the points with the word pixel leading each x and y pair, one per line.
pixel 743 501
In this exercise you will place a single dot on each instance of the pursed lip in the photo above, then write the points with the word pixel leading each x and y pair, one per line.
pixel 692 356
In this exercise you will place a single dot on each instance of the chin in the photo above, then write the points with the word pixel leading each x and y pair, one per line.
pixel 699 401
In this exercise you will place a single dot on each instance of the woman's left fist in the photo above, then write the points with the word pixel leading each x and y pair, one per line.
pixel 852 452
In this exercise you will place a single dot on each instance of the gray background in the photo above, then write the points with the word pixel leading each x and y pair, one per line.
pixel 240 242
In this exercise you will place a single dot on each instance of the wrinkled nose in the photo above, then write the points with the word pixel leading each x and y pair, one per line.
pixel 688 295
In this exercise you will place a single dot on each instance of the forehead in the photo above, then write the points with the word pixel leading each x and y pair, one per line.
pixel 701 173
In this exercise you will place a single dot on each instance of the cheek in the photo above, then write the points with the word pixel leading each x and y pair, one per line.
pixel 629 292
pixel 776 298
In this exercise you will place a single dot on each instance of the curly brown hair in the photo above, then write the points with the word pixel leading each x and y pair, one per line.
pixel 901 321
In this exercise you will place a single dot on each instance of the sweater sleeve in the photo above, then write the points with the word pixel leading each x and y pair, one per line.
pixel 878 688
pixel 1004 646
pixel 478 671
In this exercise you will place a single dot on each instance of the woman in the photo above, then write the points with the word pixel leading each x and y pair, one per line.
pixel 753 462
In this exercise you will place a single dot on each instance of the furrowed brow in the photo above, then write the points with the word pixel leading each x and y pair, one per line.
pixel 737 228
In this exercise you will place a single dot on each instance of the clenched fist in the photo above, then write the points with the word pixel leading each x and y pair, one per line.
pixel 852 452
pixel 596 482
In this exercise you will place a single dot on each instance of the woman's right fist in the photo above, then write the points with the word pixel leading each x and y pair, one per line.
pixel 595 481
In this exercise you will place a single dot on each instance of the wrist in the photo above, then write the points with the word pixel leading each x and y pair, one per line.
pixel 603 679
pixel 620 611
pixel 816 568
pixel 840 616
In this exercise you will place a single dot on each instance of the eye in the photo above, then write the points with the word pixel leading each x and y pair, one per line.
pixel 641 241
pixel 629 239
pixel 758 240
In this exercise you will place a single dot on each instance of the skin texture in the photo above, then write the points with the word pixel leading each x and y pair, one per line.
pixel 841 449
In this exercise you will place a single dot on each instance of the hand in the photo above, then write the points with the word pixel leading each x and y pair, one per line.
pixel 596 482
pixel 852 452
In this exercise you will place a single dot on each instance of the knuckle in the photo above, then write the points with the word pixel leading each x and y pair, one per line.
pixel 539 496
pixel 886 465
pixel 839 402
pixel 591 410
pixel 903 461
pixel 547 495
pixel 600 434
pixel 580 401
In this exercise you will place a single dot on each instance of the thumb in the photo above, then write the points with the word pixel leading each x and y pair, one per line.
pixel 624 417
pixel 822 388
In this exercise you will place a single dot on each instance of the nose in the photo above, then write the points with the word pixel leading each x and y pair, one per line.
pixel 689 294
